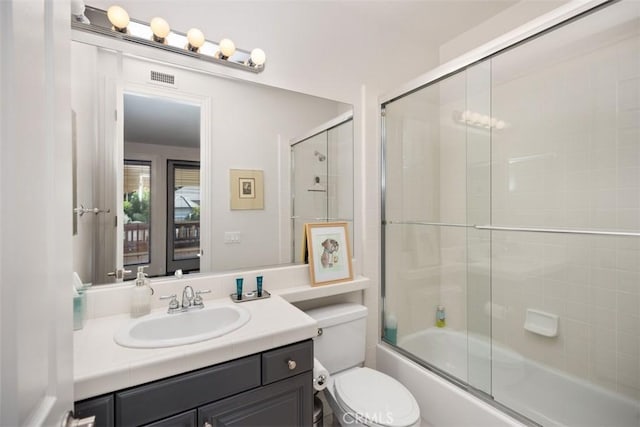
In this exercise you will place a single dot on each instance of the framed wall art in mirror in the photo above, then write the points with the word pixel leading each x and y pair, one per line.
pixel 246 189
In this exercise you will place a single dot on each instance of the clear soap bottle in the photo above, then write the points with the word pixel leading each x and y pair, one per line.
pixel 441 318
pixel 141 294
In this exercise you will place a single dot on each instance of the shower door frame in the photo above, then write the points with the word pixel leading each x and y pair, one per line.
pixel 318 130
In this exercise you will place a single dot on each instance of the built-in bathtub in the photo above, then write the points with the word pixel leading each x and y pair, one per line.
pixel 546 395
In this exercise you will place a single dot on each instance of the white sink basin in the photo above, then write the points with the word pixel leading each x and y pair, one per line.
pixel 168 330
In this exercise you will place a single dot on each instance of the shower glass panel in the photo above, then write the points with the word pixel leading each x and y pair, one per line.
pixel 437 182
pixel 511 202
pixel 569 158
pixel 322 180
pixel 340 175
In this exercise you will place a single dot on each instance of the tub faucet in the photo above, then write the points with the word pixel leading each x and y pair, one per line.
pixel 187 296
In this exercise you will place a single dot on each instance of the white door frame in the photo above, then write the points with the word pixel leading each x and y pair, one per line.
pixel 206 205
pixel 36 329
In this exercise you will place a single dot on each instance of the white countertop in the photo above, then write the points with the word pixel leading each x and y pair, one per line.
pixel 102 366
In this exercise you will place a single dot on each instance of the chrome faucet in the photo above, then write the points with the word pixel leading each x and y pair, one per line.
pixel 190 300
pixel 187 297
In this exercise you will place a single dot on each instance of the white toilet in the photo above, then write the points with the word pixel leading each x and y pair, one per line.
pixel 358 396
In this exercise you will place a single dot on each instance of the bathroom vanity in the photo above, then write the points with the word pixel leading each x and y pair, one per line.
pixel 269 388
pixel 260 374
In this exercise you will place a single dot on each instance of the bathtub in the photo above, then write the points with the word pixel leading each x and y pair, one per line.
pixel 546 395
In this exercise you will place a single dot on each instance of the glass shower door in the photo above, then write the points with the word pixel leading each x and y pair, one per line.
pixel 568 159
pixel 511 223
pixel 437 176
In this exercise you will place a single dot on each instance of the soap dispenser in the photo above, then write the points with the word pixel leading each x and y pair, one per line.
pixel 141 294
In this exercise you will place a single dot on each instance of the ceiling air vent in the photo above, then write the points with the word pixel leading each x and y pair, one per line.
pixel 162 78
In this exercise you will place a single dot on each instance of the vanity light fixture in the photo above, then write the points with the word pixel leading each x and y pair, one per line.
pixel 119 18
pixel 115 22
pixel 160 29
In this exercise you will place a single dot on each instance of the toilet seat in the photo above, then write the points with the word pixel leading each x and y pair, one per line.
pixel 376 399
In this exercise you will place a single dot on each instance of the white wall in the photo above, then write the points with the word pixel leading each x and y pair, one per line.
pixel 327 49
pixel 84 105
pixel 501 23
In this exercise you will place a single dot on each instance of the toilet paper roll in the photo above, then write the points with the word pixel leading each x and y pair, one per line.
pixel 320 375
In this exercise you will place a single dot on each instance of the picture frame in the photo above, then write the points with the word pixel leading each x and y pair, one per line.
pixel 246 189
pixel 329 253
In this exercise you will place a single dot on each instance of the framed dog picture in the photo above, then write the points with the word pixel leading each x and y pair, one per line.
pixel 329 252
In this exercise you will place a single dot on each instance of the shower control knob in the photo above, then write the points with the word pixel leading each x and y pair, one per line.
pixel 292 364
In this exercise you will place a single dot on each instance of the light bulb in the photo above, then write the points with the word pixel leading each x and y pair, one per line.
pixel 160 29
pixel 119 18
pixel 258 57
pixel 500 125
pixel 196 39
pixel 227 48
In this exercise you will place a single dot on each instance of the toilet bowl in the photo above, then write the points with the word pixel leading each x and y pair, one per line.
pixel 365 397
pixel 358 396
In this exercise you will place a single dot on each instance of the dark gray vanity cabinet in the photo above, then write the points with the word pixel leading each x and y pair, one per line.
pixel 284 403
pixel 273 388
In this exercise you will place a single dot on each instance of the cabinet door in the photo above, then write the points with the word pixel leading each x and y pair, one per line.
pixel 170 396
pixel 187 419
pixel 101 407
pixel 284 403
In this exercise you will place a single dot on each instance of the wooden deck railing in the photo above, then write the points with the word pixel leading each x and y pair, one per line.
pixel 136 238
pixel 137 234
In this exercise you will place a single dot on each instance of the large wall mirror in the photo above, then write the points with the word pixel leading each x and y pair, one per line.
pixel 156 146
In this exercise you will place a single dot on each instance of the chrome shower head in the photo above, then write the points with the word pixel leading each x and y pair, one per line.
pixel 321 157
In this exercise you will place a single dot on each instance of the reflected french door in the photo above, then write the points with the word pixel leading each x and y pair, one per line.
pixel 183 216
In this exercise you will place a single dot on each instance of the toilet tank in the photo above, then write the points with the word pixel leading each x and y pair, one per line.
pixel 342 342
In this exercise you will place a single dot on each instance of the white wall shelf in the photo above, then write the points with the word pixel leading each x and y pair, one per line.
pixel 307 292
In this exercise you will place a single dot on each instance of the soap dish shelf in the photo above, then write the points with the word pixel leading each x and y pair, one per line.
pixel 249 296
pixel 541 323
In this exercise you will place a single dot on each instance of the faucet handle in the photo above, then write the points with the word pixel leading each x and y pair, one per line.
pixel 197 301
pixel 173 303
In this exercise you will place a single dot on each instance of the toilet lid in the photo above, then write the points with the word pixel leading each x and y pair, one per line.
pixel 376 398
